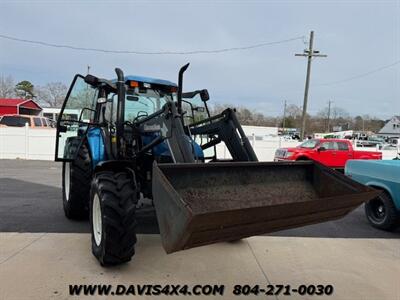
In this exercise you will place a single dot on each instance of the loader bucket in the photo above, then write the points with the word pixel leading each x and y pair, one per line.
pixel 200 204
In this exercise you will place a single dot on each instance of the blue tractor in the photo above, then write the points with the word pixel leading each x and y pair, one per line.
pixel 142 142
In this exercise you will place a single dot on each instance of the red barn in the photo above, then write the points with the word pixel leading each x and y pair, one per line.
pixel 19 107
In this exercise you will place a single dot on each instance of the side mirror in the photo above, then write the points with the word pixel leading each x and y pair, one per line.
pixel 92 80
pixel 204 95
pixel 321 149
pixel 87 110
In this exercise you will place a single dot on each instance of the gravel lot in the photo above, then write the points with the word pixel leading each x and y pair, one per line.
pixel 30 201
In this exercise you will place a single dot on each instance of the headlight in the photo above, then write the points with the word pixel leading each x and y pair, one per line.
pixel 289 154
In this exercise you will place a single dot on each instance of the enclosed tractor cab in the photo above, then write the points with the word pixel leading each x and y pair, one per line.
pixel 142 140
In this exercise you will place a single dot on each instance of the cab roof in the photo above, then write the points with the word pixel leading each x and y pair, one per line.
pixel 149 80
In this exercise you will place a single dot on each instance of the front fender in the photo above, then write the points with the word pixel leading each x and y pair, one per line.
pixel 300 156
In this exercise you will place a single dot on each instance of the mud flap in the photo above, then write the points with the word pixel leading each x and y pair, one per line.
pixel 200 204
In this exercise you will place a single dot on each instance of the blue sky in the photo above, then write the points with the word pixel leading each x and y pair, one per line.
pixel 357 36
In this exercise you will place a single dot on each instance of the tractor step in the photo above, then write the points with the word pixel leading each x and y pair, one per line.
pixel 200 204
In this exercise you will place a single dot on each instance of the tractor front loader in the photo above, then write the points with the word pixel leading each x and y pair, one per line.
pixel 140 142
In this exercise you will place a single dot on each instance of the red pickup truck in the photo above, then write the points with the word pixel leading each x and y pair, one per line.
pixel 330 152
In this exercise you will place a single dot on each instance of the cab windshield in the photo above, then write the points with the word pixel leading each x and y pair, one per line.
pixel 310 144
pixel 194 110
pixel 144 102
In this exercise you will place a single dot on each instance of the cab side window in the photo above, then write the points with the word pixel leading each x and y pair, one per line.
pixel 343 146
pixel 82 98
pixel 37 122
pixel 44 122
pixel 110 109
pixel 329 145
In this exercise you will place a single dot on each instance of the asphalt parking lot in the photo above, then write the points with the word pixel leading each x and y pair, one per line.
pixel 30 201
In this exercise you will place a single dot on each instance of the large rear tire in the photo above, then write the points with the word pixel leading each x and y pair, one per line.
pixel 76 178
pixel 381 212
pixel 112 216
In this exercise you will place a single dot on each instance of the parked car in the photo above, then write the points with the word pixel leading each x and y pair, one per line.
pixel 21 120
pixel 394 142
pixel 330 152
pixel 372 141
pixel 290 137
pixel 382 212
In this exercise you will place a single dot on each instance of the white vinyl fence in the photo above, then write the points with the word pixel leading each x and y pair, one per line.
pixel 31 143
pixel 264 149
pixel 27 143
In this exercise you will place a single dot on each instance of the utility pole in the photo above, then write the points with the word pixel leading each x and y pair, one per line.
pixel 329 115
pixel 284 118
pixel 309 53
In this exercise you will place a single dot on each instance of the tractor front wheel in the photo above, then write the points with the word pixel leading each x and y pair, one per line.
pixel 76 177
pixel 113 199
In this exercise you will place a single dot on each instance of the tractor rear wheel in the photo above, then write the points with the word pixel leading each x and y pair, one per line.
pixel 113 199
pixel 76 178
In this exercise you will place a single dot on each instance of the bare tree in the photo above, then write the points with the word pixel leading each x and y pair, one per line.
pixel 338 112
pixel 317 123
pixel 293 116
pixel 52 94
pixel 294 111
pixel 7 87
pixel 323 113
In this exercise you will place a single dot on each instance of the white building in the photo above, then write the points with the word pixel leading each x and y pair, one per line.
pixel 391 128
pixel 260 132
pixel 53 112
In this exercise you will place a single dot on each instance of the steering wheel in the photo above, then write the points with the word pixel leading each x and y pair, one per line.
pixel 140 114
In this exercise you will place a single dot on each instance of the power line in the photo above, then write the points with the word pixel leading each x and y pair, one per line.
pixel 221 50
pixel 360 75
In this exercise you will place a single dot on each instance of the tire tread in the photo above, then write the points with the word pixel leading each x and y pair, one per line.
pixel 117 193
pixel 76 207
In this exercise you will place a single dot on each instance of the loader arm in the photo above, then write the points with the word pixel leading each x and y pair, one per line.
pixel 168 123
pixel 226 128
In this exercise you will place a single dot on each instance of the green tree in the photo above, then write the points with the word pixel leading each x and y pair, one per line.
pixel 24 89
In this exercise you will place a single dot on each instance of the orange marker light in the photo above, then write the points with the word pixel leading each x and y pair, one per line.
pixel 133 84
